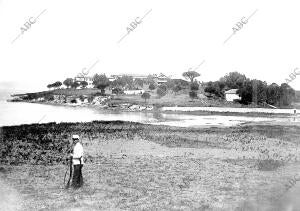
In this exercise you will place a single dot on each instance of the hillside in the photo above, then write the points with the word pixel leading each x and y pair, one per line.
pixel 92 96
pixel 86 96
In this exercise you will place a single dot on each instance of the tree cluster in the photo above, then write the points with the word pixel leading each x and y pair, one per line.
pixel 100 81
pixel 252 90
pixel 56 84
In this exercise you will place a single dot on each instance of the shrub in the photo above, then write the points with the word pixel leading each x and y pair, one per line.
pixel 193 95
pixel 146 96
pixel 237 101
pixel 73 101
pixel 194 86
pixel 152 86
pixel 49 97
pixel 177 88
pixel 163 87
pixel 90 99
pixel 81 97
pixel 117 91
pixel 161 91
pixel 84 84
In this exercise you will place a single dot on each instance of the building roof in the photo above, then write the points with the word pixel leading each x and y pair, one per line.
pixel 143 76
pixel 130 75
pixel 231 91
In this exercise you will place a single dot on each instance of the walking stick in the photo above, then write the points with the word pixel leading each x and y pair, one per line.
pixel 70 175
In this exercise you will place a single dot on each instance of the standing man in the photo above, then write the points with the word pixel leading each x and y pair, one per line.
pixel 77 160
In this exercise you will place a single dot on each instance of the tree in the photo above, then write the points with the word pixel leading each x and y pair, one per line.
pixel 194 86
pixel 193 94
pixel 75 85
pixel 246 92
pixel 146 96
pixel 287 94
pixel 57 84
pixel 150 79
pixel 100 82
pixel 84 84
pixel 118 83
pixel 161 90
pixel 128 81
pixel 68 82
pixel 259 91
pixel 123 81
pixel 215 88
pixel 191 75
pixel 176 89
pixel 163 87
pixel 273 94
pixel 49 86
pixel 170 84
pixel 233 80
pixel 152 86
pixel 139 82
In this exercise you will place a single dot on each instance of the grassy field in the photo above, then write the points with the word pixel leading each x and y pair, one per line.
pixel 132 166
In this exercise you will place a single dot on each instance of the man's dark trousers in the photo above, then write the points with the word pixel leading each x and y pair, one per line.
pixel 77 180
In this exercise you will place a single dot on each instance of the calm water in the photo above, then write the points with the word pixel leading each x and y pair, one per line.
pixel 26 113
pixel 16 113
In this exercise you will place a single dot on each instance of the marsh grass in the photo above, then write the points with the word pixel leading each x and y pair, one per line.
pixel 128 166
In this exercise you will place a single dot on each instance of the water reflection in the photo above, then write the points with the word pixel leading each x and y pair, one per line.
pixel 27 113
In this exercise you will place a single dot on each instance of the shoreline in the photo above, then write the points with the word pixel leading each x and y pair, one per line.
pixel 183 110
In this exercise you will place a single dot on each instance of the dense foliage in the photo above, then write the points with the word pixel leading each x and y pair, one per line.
pixel 68 82
pixel 193 94
pixel 194 86
pixel 100 82
pixel 152 86
pixel 252 90
pixel 56 84
pixel 161 90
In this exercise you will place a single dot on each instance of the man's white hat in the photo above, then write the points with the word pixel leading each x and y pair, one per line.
pixel 75 137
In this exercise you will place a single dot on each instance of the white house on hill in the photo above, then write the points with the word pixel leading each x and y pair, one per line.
pixel 134 92
pixel 232 95
pixel 88 79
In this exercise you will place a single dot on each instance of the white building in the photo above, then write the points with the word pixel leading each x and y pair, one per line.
pixel 158 78
pixel 88 79
pixel 134 92
pixel 232 95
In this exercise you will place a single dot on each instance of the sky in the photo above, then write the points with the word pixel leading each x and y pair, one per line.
pixel 173 37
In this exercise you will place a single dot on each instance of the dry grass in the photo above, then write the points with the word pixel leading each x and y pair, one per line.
pixel 143 183
pixel 163 168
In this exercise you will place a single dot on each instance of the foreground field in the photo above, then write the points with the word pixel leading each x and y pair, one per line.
pixel 132 166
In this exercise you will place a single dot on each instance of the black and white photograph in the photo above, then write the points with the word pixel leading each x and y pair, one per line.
pixel 149 105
